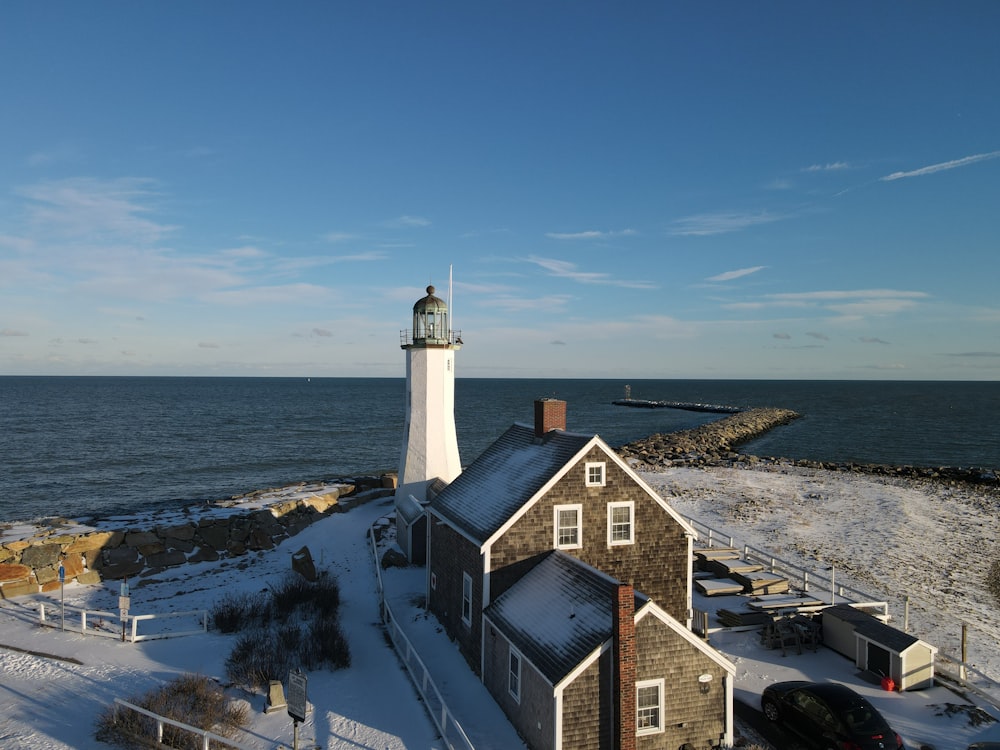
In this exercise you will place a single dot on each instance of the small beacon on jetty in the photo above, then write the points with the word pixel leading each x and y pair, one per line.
pixel 430 445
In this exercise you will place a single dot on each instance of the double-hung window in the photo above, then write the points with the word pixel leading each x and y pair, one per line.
pixel 621 523
pixel 514 675
pixel 649 707
pixel 568 526
pixel 594 474
pixel 467 599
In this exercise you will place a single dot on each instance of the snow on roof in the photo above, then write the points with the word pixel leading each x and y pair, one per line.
pixel 504 477
pixel 558 613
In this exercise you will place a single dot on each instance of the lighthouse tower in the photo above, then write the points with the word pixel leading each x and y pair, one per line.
pixel 430 446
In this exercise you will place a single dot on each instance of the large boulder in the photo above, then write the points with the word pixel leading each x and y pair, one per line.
pixel 302 563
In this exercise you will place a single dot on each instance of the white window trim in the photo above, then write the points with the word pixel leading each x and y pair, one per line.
pixel 661 727
pixel 586 476
pixel 515 654
pixel 631 525
pixel 467 585
pixel 579 526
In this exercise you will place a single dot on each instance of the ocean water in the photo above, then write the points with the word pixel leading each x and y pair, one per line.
pixel 84 447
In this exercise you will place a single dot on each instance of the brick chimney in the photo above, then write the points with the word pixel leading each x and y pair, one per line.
pixel 623 622
pixel 550 414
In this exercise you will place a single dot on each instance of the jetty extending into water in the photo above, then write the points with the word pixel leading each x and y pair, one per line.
pixel 708 443
pixel 640 403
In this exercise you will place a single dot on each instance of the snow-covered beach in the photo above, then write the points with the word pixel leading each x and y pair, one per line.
pixel 890 537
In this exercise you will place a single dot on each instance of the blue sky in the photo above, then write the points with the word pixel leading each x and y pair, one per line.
pixel 662 190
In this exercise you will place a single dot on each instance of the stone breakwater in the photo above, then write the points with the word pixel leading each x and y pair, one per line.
pixel 228 529
pixel 706 444
pixel 714 444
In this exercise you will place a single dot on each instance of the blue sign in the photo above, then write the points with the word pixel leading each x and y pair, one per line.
pixel 62 573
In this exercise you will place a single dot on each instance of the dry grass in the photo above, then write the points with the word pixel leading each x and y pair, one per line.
pixel 192 699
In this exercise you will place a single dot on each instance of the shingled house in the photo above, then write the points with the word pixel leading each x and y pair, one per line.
pixel 546 516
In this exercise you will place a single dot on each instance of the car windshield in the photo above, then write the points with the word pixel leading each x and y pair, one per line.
pixel 862 718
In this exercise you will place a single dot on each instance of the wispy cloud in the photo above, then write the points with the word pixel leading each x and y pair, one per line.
pixel 95 208
pixel 941 167
pixel 409 221
pixel 872 340
pixel 335 237
pixel 515 304
pixel 976 355
pixel 11 332
pixel 817 335
pixel 565 269
pixel 782 336
pixel 700 225
pixel 297 294
pixel 846 294
pixel 836 166
pixel 737 274
pixel 591 234
pixel 208 345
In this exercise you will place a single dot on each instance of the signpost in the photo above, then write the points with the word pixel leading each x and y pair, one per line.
pixel 123 604
pixel 62 594
pixel 296 702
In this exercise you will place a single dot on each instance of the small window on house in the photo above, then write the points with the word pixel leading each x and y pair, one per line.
pixel 466 598
pixel 649 707
pixel 514 676
pixel 621 529
pixel 595 474
pixel 568 522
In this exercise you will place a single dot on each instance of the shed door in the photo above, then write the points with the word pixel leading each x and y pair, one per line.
pixel 878 660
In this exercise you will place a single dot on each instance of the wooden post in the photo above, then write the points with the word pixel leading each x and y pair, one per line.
pixel 965 650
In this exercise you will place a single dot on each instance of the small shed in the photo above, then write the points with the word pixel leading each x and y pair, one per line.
pixel 879 648
pixel 411 529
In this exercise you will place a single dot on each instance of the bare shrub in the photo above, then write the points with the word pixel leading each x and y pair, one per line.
pixel 299 627
pixel 192 699
pixel 236 612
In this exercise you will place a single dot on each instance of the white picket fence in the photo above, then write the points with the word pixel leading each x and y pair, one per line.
pixel 130 631
pixel 445 721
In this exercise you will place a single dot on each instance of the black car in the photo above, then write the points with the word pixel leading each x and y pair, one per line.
pixel 828 716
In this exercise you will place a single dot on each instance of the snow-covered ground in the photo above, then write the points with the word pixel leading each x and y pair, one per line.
pixel 931 541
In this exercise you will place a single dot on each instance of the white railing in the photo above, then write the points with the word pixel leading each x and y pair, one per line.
pixel 806 579
pixel 445 721
pixel 952 668
pixel 206 736
pixel 136 619
pixel 131 633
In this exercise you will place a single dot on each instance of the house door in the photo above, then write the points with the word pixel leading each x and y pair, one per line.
pixel 878 660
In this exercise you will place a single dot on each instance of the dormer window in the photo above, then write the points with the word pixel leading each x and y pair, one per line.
pixel 595 474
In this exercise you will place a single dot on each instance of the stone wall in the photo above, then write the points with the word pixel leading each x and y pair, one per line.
pixel 30 566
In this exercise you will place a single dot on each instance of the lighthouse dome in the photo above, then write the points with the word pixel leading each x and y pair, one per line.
pixel 430 303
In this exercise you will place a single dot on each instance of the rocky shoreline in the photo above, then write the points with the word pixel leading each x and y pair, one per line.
pixel 148 545
pixel 715 443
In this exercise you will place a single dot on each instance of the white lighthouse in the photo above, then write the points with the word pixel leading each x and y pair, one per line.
pixel 430 446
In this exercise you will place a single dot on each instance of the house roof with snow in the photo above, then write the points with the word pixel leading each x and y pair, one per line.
pixel 558 613
pixel 505 476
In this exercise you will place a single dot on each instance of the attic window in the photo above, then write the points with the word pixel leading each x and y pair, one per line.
pixel 568 526
pixel 595 474
pixel 621 526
